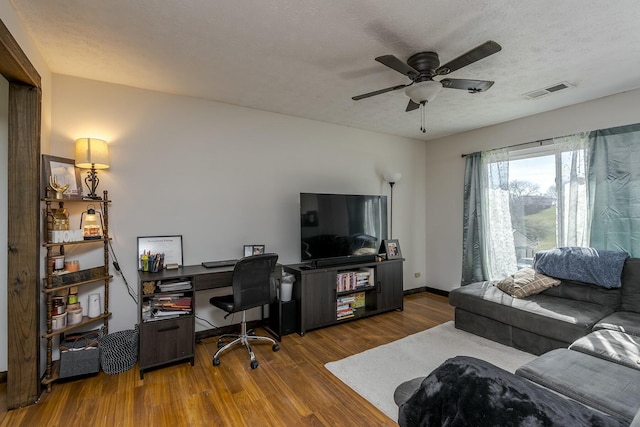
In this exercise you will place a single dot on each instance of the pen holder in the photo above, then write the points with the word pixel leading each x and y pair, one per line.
pixel 152 263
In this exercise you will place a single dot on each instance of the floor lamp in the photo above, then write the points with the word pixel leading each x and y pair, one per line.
pixel 392 178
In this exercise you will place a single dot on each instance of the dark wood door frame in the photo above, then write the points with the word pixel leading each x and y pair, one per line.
pixel 23 271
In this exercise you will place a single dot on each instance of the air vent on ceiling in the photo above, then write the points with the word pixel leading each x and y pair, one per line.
pixel 548 90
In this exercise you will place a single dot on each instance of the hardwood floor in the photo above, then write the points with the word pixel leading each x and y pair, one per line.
pixel 291 387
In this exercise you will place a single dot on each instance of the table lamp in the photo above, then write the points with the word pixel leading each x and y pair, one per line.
pixel 92 154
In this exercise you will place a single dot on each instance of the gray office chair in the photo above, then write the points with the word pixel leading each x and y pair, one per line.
pixel 254 285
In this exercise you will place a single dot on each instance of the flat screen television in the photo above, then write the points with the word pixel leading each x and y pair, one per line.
pixel 341 225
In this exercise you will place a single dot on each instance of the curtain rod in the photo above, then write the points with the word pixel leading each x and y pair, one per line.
pixel 539 141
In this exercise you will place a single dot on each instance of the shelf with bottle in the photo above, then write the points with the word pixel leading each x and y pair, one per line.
pixel 63 276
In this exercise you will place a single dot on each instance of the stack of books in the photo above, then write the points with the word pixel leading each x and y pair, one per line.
pixel 345 310
pixel 363 279
pixel 169 306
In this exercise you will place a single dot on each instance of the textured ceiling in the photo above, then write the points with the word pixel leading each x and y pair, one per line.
pixel 308 58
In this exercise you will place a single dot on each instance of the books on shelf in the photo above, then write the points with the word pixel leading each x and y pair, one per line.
pixel 358 300
pixel 167 306
pixel 354 280
pixel 344 308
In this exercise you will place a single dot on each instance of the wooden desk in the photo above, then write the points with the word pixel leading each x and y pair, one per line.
pixel 165 341
pixel 203 278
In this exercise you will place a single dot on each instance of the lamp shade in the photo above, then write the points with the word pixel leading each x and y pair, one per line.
pixel 92 153
pixel 424 91
pixel 392 178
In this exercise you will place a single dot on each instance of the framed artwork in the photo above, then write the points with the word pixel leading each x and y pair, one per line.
pixel 253 250
pixel 64 172
pixel 169 246
pixel 392 248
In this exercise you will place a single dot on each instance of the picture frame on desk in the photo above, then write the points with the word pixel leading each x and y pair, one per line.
pixel 249 250
pixel 392 248
pixel 170 246
pixel 64 171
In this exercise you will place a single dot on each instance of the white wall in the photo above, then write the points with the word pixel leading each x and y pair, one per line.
pixel 19 33
pixel 445 170
pixel 223 176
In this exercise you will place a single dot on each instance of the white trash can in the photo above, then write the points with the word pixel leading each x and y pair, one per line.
pixel 286 287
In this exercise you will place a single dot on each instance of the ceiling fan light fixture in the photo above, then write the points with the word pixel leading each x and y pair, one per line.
pixel 425 91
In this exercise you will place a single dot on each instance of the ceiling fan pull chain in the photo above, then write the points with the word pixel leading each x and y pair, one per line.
pixel 423 107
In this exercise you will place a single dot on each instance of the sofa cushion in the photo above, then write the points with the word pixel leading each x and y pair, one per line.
pixel 525 282
pixel 558 318
pixel 622 321
pixel 609 387
pixel 631 285
pixel 584 292
pixel 465 391
pixel 614 346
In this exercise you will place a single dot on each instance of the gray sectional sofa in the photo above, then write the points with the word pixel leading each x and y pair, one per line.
pixel 588 339
pixel 552 319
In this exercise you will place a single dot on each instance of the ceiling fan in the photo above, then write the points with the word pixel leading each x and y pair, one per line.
pixel 422 67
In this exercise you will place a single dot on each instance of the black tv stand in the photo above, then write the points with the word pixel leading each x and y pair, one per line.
pixel 319 301
pixel 343 260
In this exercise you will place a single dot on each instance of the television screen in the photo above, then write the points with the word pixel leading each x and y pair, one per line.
pixel 339 225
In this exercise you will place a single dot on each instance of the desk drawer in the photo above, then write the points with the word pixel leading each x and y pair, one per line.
pixel 166 340
pixel 213 280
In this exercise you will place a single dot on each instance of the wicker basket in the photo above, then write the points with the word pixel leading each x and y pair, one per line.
pixel 119 351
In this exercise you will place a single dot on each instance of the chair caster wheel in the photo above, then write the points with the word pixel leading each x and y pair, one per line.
pixel 254 364
pixel 275 347
pixel 216 361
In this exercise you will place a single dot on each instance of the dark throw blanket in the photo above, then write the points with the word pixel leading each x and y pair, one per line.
pixel 465 391
pixel 588 265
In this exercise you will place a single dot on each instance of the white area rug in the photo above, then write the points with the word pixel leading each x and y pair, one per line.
pixel 375 373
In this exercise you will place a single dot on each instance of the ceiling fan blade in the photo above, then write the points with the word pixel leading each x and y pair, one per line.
pixel 412 106
pixel 485 49
pixel 396 64
pixel 473 86
pixel 378 92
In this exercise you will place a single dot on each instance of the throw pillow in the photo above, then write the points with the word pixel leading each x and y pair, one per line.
pixel 526 282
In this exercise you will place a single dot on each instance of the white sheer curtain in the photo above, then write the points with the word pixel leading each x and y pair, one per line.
pixel 571 185
pixel 496 257
pixel 499 247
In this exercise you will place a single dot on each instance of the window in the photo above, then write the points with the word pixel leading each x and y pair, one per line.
pixel 533 205
pixel 533 199
pixel 578 190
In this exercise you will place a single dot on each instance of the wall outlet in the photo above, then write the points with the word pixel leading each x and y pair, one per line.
pixel 417 275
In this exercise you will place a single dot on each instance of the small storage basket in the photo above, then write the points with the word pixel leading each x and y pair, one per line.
pixel 119 351
pixel 79 355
